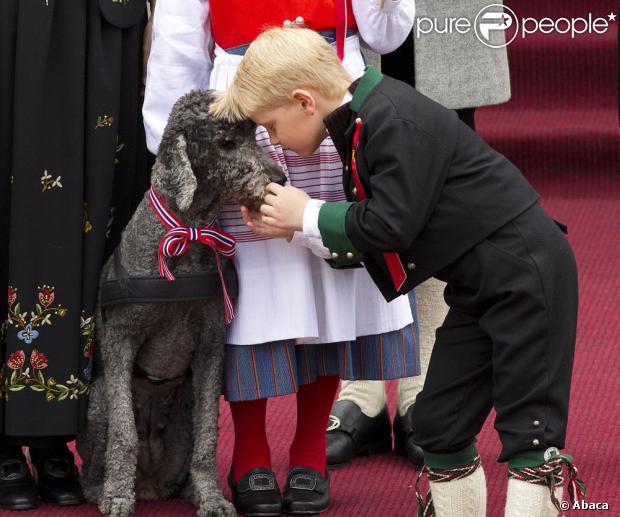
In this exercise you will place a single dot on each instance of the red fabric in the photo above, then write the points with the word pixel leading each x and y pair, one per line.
pixel 314 402
pixel 239 22
pixel 251 447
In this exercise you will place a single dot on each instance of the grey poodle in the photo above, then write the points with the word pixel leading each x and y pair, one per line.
pixel 152 422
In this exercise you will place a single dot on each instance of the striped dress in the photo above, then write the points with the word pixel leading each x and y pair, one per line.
pixel 296 317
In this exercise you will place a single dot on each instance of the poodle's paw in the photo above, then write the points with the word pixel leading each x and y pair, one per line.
pixel 112 505
pixel 216 506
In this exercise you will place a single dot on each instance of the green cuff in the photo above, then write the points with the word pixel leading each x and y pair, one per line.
pixel 332 218
pixel 527 460
pixel 451 460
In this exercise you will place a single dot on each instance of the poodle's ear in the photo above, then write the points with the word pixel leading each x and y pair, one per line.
pixel 172 172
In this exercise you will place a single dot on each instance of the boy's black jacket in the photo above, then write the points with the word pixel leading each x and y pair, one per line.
pixel 435 188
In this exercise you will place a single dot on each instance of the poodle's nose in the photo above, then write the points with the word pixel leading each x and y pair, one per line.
pixel 278 177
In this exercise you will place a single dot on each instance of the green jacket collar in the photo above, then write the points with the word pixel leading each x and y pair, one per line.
pixel 369 80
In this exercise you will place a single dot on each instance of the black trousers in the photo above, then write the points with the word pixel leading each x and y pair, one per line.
pixel 507 342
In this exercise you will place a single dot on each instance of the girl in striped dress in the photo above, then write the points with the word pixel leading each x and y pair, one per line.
pixel 300 325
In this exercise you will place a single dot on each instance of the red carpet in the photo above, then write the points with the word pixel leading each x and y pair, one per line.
pixel 561 128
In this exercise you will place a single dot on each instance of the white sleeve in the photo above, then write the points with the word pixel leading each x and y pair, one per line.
pixel 180 60
pixel 310 237
pixel 384 24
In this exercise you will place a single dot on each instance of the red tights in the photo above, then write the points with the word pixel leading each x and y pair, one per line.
pixel 314 402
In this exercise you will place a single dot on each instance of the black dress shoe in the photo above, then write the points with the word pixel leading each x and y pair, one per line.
pixel 306 492
pixel 403 439
pixel 18 490
pixel 257 493
pixel 351 433
pixel 57 476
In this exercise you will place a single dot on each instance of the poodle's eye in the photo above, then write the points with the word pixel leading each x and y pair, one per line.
pixel 227 144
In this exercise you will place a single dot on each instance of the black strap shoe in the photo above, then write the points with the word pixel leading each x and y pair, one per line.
pixel 257 493
pixel 306 492
pixel 57 476
pixel 18 490
pixel 351 433
pixel 403 439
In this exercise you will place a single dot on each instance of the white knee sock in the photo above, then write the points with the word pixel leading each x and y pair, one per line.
pixel 432 310
pixel 466 497
pixel 368 395
pixel 527 500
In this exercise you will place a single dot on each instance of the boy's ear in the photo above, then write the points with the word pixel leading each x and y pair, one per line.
pixel 306 100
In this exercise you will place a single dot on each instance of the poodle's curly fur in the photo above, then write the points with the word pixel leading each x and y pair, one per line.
pixel 154 440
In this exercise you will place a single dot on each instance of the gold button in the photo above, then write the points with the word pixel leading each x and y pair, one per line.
pixel 535 442
pixel 411 266
pixel 299 20
pixel 334 255
pixel 287 24
pixel 354 191
pixel 350 255
pixel 536 423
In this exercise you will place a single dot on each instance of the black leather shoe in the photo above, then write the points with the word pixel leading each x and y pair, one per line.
pixel 306 492
pixel 351 433
pixel 403 439
pixel 57 476
pixel 257 493
pixel 18 490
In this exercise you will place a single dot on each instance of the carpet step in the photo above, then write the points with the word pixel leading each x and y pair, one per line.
pixel 562 142
pixel 556 72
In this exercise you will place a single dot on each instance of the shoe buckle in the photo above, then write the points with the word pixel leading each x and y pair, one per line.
pixel 259 482
pixel 58 467
pixel 303 482
pixel 12 470
pixel 333 423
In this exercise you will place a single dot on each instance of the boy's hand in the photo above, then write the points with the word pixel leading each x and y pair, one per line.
pixel 254 221
pixel 284 207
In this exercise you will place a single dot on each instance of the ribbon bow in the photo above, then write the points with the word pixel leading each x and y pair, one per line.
pixel 176 242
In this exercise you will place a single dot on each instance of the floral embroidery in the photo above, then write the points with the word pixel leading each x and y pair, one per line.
pixel 119 148
pixel 4 327
pixel 33 376
pixel 85 222
pixel 43 311
pixel 48 182
pixel 16 360
pixel 28 334
pixel 110 222
pixel 38 360
pixel 87 327
pixel 35 379
pixel 104 121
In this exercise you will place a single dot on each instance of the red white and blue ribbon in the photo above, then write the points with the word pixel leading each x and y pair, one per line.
pixel 176 242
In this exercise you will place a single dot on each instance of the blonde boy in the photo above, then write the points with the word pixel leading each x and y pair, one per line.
pixel 428 197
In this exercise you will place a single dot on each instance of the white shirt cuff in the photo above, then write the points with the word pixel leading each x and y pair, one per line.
pixel 311 218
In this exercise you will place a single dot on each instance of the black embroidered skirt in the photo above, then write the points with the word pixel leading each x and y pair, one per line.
pixel 72 168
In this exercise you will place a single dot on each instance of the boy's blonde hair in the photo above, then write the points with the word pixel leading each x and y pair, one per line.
pixel 278 62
